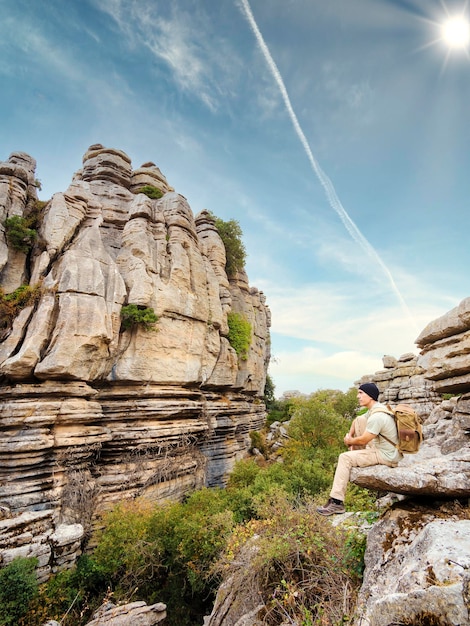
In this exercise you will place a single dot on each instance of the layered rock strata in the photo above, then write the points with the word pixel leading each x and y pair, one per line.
pixel 92 413
pixel 445 349
pixel 403 379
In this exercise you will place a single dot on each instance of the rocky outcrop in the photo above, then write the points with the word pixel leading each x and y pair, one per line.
pixel 405 380
pixel 135 613
pixel 417 567
pixel 91 412
pixel 445 349
pixel 418 558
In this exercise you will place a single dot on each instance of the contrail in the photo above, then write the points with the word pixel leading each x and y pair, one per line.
pixel 326 183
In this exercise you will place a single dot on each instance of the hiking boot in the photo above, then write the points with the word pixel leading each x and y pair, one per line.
pixel 331 508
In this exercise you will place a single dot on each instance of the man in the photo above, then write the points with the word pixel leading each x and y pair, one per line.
pixel 378 452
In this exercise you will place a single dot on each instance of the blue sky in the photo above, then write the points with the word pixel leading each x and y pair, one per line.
pixel 336 133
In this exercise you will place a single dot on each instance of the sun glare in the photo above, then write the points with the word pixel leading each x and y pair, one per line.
pixel 452 33
pixel 456 32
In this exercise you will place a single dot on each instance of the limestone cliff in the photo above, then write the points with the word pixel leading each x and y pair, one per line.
pixel 91 412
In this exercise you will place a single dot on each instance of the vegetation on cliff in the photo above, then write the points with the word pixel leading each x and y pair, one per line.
pixel 180 552
pixel 151 192
pixel 19 234
pixel 12 303
pixel 22 231
pixel 231 234
pixel 239 334
pixel 133 315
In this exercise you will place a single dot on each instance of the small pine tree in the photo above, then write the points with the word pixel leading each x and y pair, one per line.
pixel 133 315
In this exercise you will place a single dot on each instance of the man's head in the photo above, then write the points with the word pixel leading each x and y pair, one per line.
pixel 368 393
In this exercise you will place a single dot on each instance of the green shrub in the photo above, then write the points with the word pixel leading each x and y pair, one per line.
pixel 345 403
pixel 193 533
pixel 235 253
pixel 280 411
pixel 258 441
pixel 269 398
pixel 243 474
pixel 152 192
pixel 239 334
pixel 12 303
pixel 19 233
pixel 123 555
pixel 316 428
pixel 133 315
pixel 18 586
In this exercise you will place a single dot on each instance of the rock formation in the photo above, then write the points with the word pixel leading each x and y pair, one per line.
pixel 92 413
pixel 445 346
pixel 417 567
pixel 135 613
pixel 418 554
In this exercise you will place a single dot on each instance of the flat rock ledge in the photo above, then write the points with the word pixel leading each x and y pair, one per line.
pixel 441 467
pixel 441 476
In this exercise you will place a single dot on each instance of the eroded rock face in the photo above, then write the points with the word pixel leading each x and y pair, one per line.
pixel 135 613
pixel 417 564
pixel 404 380
pixel 445 346
pixel 90 408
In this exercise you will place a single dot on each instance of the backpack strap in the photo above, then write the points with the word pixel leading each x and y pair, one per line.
pixel 395 445
pixel 388 411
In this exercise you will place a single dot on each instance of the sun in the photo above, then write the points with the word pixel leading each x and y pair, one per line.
pixel 451 33
pixel 456 32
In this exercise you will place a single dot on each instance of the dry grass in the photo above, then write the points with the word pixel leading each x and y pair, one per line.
pixel 294 566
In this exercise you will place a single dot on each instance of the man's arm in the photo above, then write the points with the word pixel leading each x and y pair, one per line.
pixel 359 441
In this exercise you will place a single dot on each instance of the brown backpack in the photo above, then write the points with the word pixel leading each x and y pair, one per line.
pixel 410 432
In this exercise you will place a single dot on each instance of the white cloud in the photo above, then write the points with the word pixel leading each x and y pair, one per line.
pixel 347 365
pixel 346 333
pixel 201 62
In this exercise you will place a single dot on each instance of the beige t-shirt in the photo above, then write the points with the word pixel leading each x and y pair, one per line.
pixel 380 421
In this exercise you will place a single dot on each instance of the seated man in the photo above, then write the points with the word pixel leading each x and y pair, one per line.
pixel 379 451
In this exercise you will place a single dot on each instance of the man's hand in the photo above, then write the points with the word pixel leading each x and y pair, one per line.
pixel 359 441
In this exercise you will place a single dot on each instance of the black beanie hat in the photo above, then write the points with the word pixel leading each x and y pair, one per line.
pixel 371 390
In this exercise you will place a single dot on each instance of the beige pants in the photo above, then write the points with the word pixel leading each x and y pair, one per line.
pixel 358 428
pixel 355 458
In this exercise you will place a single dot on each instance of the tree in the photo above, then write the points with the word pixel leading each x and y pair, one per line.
pixel 231 235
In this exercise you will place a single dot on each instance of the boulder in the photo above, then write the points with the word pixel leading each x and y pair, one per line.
pixel 417 567
pixel 135 613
